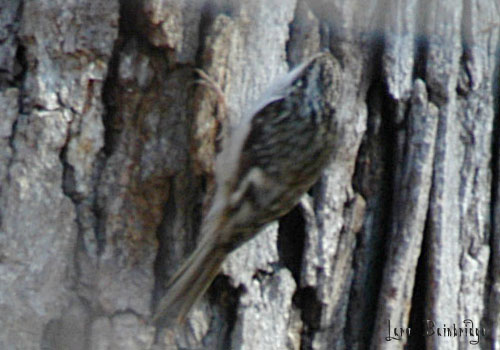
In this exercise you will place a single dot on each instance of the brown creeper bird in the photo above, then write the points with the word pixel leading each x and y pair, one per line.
pixel 268 162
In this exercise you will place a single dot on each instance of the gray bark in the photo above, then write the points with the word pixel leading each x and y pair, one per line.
pixel 106 167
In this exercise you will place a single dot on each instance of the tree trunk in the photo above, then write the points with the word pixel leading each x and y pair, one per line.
pixel 107 155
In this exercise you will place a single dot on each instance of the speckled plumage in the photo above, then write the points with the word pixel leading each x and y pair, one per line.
pixel 268 162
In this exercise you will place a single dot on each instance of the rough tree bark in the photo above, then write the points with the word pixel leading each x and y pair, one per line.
pixel 107 150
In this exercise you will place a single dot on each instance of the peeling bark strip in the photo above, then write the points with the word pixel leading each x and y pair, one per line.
pixel 410 205
pixel 106 151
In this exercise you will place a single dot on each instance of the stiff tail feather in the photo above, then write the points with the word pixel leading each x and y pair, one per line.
pixel 189 283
